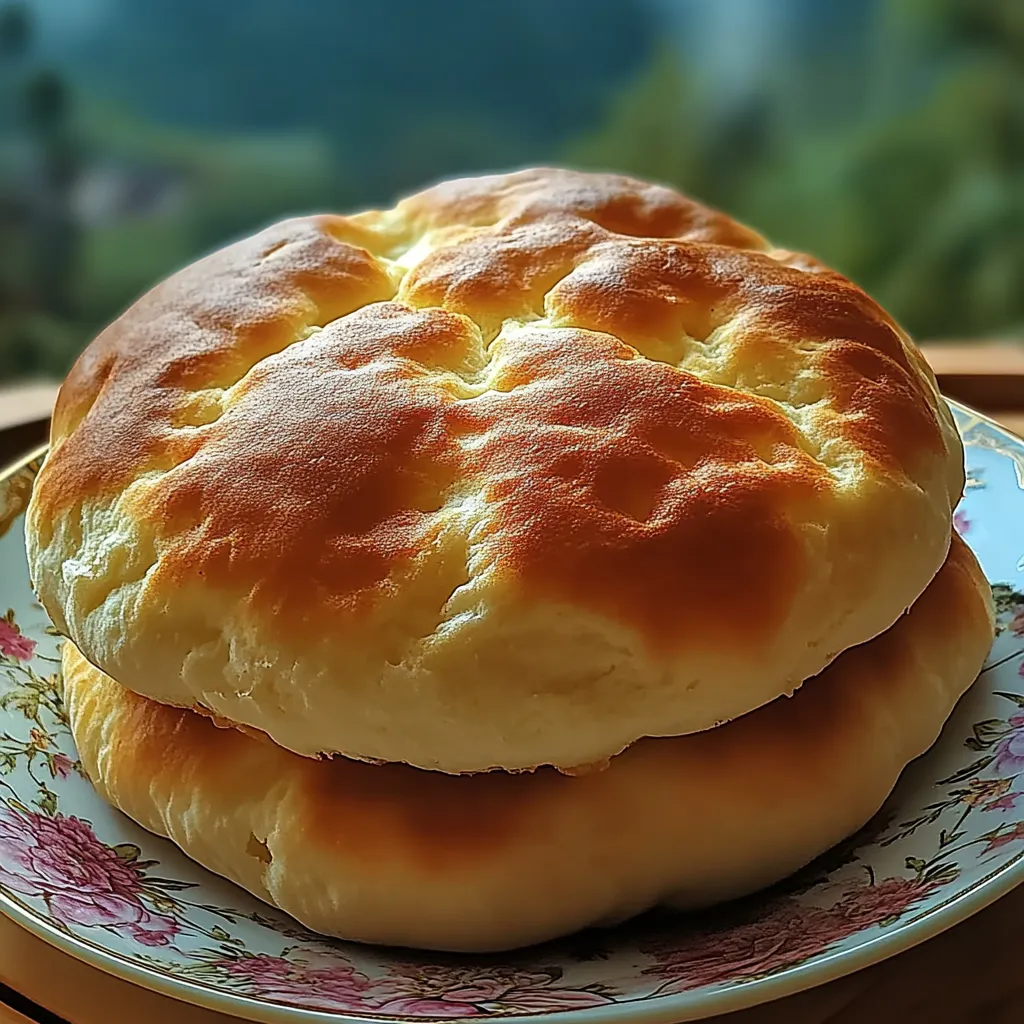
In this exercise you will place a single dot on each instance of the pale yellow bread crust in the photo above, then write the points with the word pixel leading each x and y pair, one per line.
pixel 392 854
pixel 513 474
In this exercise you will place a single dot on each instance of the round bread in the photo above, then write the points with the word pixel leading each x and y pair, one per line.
pixel 513 474
pixel 393 854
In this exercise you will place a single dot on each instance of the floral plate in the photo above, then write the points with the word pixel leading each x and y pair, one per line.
pixel 91 882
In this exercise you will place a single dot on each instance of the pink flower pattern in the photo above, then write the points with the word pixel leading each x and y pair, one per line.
pixel 60 860
pixel 84 883
pixel 13 643
pixel 324 982
pixel 1009 754
pixel 327 982
pixel 779 935
pixel 1003 803
pixel 61 766
pixel 471 991
pixel 1011 835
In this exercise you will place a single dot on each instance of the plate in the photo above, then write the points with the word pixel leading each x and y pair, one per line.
pixel 949 841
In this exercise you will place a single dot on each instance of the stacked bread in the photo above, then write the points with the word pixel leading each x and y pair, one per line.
pixel 412 562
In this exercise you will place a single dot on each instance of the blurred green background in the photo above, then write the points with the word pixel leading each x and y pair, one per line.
pixel 884 136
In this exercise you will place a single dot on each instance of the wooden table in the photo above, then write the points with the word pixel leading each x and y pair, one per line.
pixel 973 973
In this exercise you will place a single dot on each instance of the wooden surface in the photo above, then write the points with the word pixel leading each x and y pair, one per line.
pixel 971 974
pixel 24 403
pixel 984 376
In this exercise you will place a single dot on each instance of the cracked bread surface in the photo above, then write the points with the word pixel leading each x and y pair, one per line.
pixel 513 474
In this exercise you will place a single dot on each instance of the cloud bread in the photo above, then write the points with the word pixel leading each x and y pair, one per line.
pixel 513 474
pixel 394 854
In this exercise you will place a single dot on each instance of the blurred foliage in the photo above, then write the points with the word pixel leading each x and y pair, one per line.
pixel 373 78
pixel 215 188
pixel 897 156
pixel 921 200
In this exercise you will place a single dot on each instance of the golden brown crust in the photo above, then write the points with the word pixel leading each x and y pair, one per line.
pixel 620 205
pixel 541 395
pixel 398 855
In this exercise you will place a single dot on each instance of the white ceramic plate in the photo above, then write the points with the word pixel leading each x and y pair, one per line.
pixel 91 882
